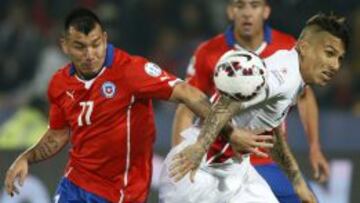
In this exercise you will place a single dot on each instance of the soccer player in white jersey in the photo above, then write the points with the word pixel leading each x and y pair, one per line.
pixel 316 59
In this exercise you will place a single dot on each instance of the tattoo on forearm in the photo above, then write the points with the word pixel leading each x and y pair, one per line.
pixel 284 157
pixel 44 149
pixel 201 107
pixel 217 118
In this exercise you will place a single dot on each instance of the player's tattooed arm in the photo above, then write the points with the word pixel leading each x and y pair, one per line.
pixel 282 154
pixel 197 102
pixel 218 120
pixel 189 159
pixel 192 98
pixel 50 144
pixel 284 157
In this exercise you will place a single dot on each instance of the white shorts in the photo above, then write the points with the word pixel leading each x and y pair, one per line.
pixel 231 182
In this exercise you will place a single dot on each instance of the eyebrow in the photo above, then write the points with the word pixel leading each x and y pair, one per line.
pixel 93 41
pixel 333 48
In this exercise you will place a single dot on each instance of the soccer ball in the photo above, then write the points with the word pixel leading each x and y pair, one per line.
pixel 240 74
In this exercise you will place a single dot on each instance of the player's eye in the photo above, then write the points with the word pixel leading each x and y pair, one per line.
pixel 95 45
pixel 329 53
pixel 79 46
pixel 239 5
pixel 255 4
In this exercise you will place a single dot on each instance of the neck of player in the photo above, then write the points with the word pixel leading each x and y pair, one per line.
pixel 88 76
pixel 251 43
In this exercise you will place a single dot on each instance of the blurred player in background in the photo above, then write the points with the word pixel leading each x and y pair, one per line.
pixel 249 31
pixel 194 174
pixel 101 103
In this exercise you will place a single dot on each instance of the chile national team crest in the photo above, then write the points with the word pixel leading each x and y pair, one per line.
pixel 108 89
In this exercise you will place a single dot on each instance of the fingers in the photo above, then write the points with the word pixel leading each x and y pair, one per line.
pixel 321 171
pixel 326 169
pixel 324 172
pixel 264 144
pixel 315 171
pixel 264 141
pixel 22 178
pixel 264 137
pixel 192 175
pixel 9 183
pixel 259 153
pixel 179 168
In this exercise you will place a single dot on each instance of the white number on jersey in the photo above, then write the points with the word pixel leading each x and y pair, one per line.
pixel 85 114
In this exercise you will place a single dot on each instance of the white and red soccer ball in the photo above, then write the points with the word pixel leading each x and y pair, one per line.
pixel 240 74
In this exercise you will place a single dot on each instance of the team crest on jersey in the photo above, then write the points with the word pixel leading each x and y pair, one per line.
pixel 108 89
pixel 152 69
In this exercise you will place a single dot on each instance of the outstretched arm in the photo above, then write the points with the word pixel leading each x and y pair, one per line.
pixel 192 98
pixel 50 144
pixel 282 154
pixel 309 115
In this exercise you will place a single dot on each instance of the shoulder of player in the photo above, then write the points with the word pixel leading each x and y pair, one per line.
pixel 281 57
pixel 61 74
pixel 125 63
pixel 283 70
pixel 212 45
pixel 58 80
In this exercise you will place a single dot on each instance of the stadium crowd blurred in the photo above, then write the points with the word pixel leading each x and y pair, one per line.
pixel 165 31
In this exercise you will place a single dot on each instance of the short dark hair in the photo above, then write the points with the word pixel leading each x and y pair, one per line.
pixel 234 1
pixel 335 25
pixel 83 20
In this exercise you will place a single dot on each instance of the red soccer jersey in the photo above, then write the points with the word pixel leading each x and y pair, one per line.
pixel 112 124
pixel 201 69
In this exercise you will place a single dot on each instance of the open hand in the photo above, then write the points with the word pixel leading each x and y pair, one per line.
pixel 320 165
pixel 244 141
pixel 187 160
pixel 18 170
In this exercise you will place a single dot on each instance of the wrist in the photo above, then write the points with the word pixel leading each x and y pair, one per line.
pixel 315 146
pixel 201 146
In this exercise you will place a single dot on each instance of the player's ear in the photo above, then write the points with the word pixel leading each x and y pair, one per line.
pixel 62 43
pixel 302 46
pixel 230 12
pixel 267 12
pixel 105 36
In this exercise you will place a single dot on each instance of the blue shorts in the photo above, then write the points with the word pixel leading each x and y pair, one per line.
pixel 68 192
pixel 278 182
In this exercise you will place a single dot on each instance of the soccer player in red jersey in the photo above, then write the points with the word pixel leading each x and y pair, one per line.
pixel 101 103
pixel 249 31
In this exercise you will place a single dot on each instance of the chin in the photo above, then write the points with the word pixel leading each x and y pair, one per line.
pixel 322 83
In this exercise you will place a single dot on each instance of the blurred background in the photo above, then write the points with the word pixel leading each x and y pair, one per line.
pixel 167 33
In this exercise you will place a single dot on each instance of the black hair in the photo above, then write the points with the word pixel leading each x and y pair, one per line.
pixel 234 1
pixel 83 20
pixel 335 25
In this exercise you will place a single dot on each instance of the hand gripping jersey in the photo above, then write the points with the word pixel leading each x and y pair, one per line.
pixel 201 68
pixel 111 123
pixel 268 110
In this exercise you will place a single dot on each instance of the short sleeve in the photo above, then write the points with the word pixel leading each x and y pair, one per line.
pixel 148 80
pixel 56 115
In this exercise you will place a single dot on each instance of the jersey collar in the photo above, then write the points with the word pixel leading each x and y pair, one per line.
pixel 230 37
pixel 109 58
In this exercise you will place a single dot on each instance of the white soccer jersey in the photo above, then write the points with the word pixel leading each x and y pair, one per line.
pixel 283 86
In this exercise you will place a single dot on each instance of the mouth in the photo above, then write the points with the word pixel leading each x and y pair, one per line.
pixel 328 75
pixel 247 25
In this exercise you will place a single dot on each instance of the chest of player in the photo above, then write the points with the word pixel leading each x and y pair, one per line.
pixel 89 103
